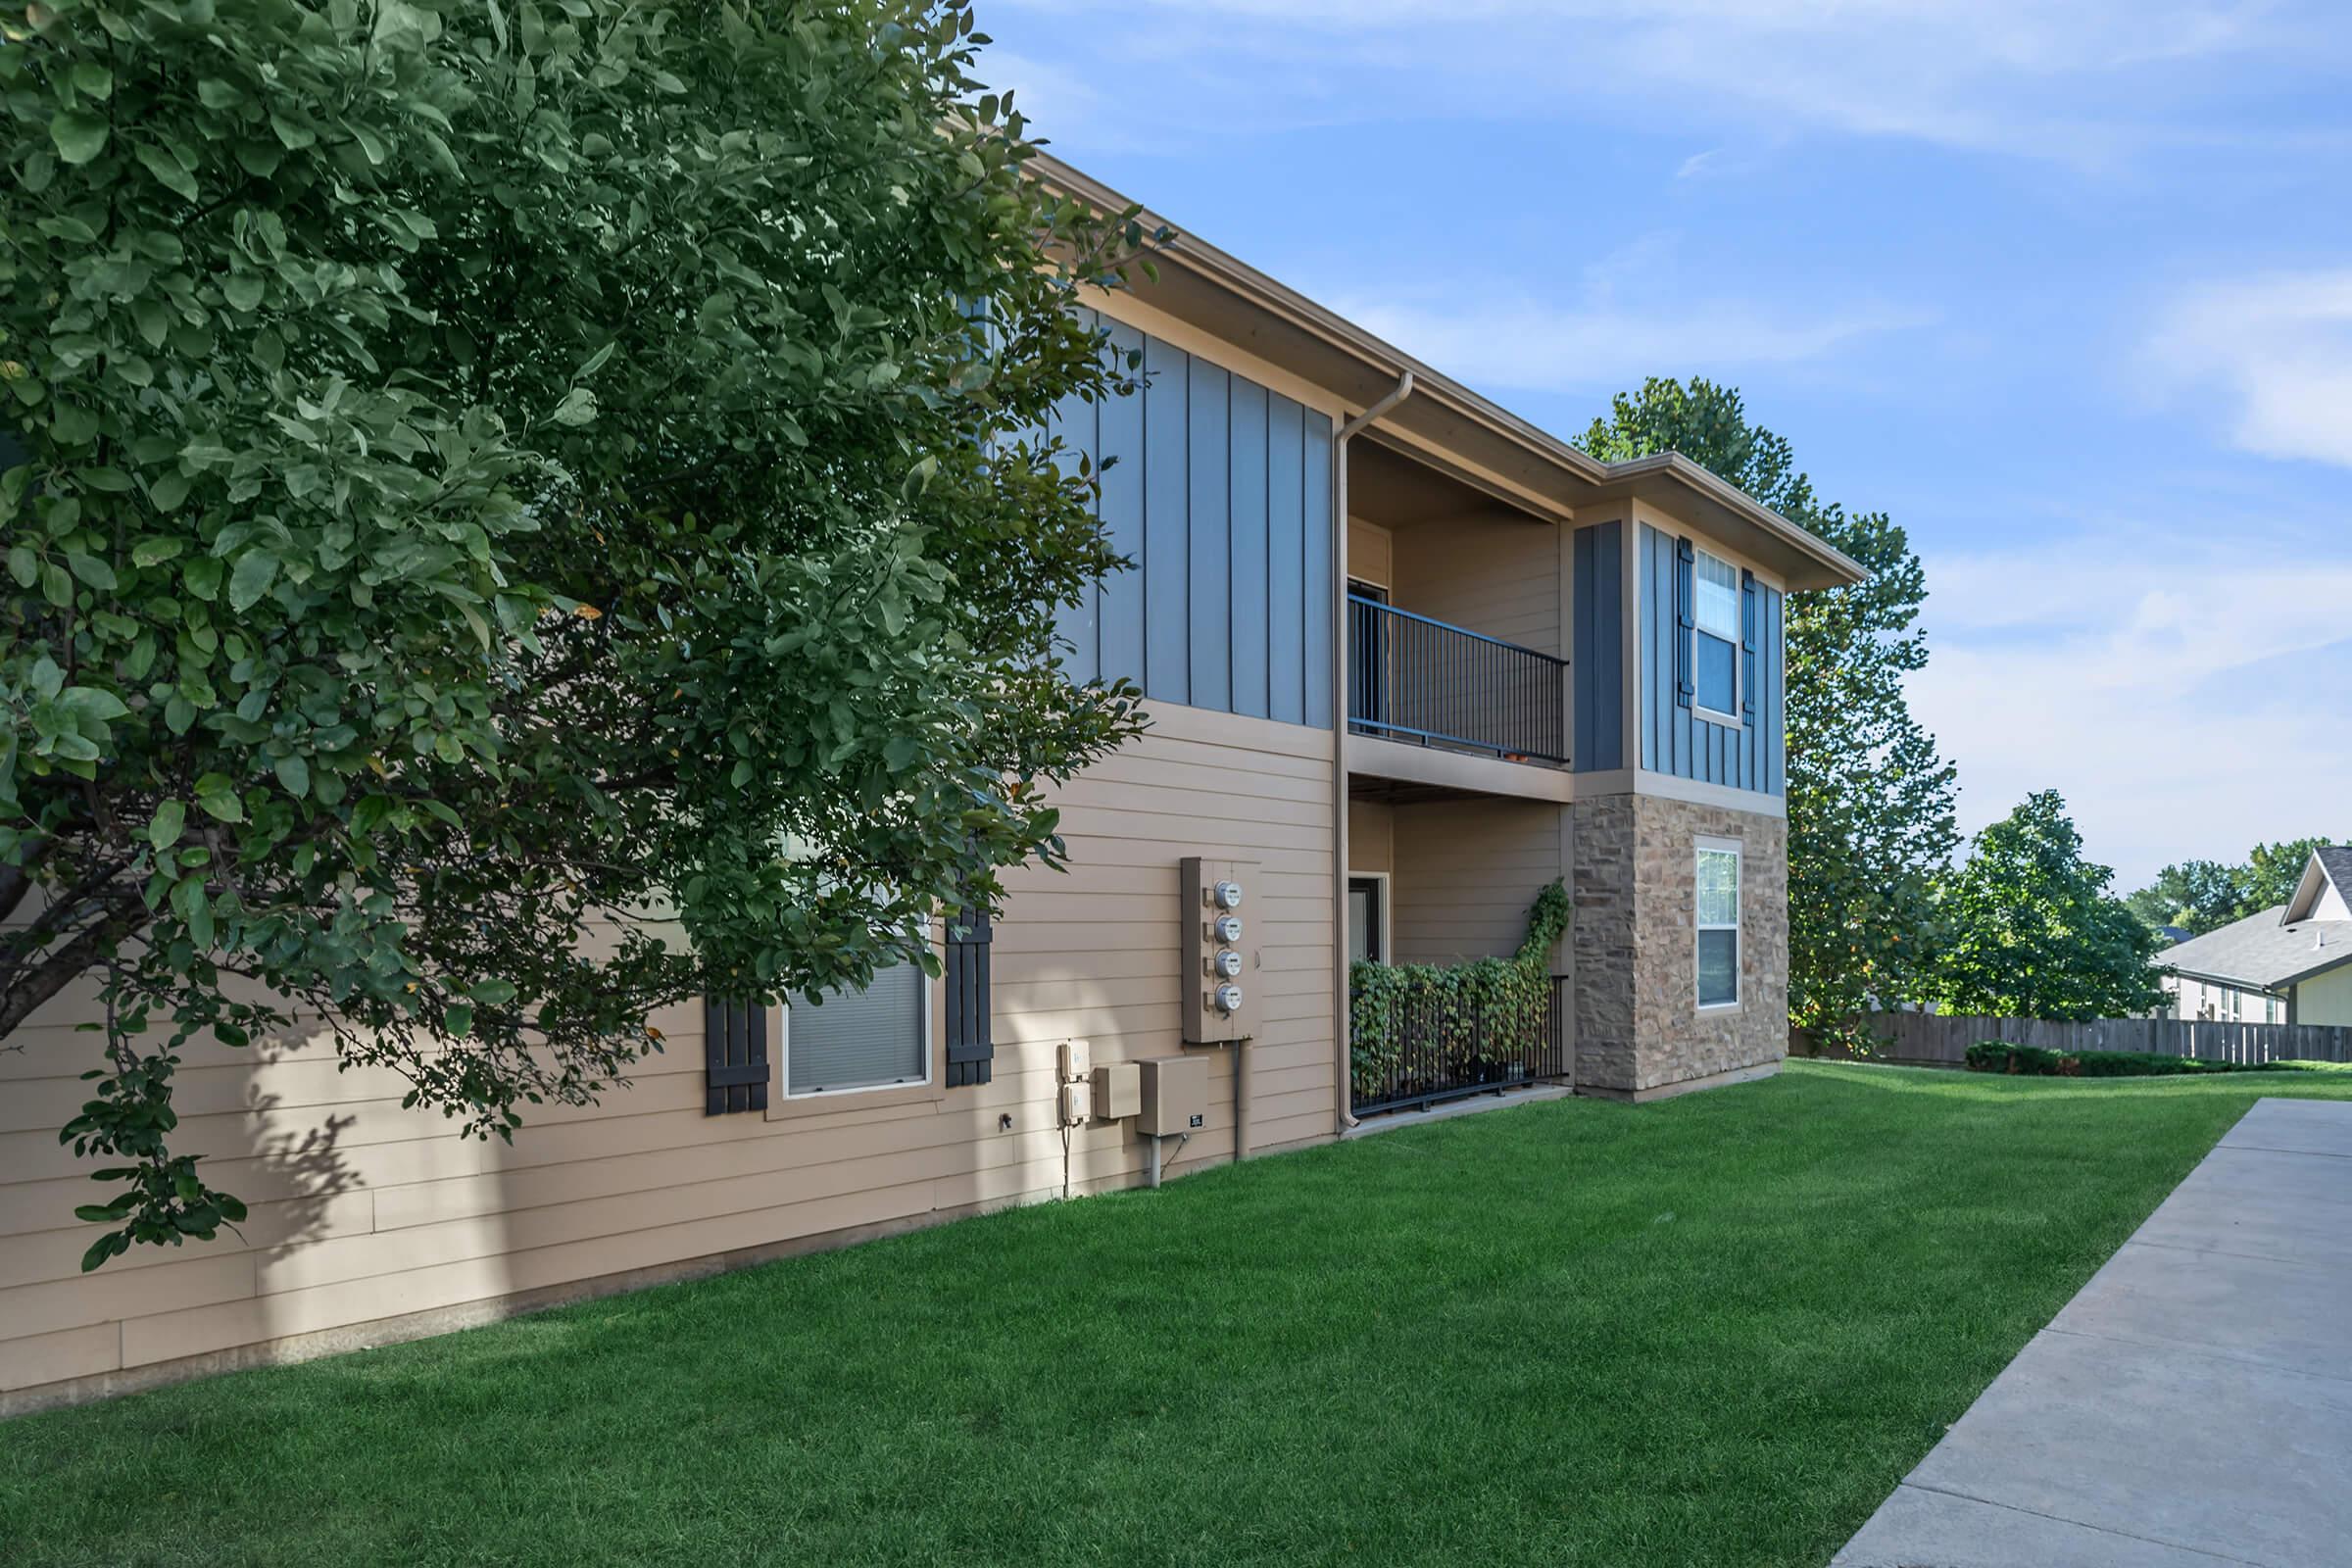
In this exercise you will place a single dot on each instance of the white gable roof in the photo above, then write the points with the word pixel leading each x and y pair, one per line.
pixel 2322 894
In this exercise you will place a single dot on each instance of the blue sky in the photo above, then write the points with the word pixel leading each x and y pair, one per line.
pixel 2065 288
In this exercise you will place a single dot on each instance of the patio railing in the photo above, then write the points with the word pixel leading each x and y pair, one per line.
pixel 1438 1054
pixel 1426 682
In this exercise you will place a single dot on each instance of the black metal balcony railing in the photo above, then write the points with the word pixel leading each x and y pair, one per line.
pixel 1425 1051
pixel 1414 679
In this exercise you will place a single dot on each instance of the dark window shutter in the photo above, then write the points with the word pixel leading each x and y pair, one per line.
pixel 734 1056
pixel 1683 558
pixel 1748 600
pixel 971 1049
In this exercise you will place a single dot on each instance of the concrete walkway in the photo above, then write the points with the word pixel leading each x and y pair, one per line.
pixel 2193 1405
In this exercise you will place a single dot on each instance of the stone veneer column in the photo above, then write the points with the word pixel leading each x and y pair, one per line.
pixel 1600 937
pixel 1638 1030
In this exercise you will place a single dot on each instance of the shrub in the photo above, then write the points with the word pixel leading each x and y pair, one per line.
pixel 1999 1056
pixel 1487 999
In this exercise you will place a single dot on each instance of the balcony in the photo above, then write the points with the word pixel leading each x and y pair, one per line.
pixel 1424 682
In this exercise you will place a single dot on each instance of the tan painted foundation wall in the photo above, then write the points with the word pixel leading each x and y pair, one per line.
pixel 372 1223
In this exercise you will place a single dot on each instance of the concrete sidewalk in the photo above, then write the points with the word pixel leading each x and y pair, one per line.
pixel 2193 1405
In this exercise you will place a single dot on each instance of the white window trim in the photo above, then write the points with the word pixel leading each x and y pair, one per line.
pixel 1388 924
pixel 1714 716
pixel 783 1015
pixel 1739 854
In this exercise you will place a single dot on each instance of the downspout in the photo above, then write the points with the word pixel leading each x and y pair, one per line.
pixel 1341 1067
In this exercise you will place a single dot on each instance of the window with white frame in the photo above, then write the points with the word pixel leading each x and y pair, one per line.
pixel 1718 923
pixel 877 1037
pixel 1715 636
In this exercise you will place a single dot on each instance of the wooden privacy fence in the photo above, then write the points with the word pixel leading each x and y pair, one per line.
pixel 1943 1039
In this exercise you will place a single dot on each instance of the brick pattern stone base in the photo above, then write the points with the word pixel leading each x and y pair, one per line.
pixel 1638 1026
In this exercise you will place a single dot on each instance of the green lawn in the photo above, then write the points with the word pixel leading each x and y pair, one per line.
pixel 1715 1330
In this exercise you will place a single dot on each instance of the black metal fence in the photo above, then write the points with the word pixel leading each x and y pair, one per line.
pixel 1414 679
pixel 1427 1048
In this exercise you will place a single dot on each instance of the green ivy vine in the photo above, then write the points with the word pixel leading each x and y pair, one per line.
pixel 1483 1009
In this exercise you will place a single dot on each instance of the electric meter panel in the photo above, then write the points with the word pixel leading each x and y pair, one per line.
pixel 1223 982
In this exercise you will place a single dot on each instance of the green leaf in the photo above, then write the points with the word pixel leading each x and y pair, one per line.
pixel 222 803
pixel 24 566
pixel 80 135
pixel 255 571
pixel 170 820
pixel 166 169
pixel 202 576
pixel 492 993
pixel 577 407
pixel 295 774
pixel 194 909
pixel 92 79
pixel 90 570
pixel 243 290
pixel 457 1019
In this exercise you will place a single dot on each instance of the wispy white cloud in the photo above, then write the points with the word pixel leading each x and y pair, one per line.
pixel 1632 312
pixel 2279 349
pixel 2182 690
pixel 2070 82
pixel 1534 345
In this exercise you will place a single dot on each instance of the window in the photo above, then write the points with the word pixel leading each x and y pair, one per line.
pixel 870 1039
pixel 1364 920
pixel 1718 923
pixel 1715 636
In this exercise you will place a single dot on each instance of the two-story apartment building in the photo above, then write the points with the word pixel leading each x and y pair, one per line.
pixel 1408 659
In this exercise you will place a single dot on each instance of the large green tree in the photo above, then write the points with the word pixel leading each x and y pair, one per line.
pixel 2195 895
pixel 1870 798
pixel 2199 896
pixel 2034 930
pixel 528 512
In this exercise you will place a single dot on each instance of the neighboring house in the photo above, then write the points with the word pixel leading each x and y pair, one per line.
pixel 2291 963
pixel 1412 669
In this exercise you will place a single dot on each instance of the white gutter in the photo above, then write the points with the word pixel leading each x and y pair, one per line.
pixel 1341 1063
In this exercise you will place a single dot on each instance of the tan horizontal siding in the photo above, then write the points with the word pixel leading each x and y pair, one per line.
pixel 1466 872
pixel 1499 577
pixel 1369 552
pixel 363 1211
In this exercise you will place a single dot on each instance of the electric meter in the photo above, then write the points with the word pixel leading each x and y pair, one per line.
pixel 1220 1005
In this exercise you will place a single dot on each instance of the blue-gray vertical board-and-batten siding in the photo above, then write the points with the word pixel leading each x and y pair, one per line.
pixel 1674 738
pixel 1597 662
pixel 1220 491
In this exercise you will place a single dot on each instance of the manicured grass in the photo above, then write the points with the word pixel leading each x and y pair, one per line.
pixel 1711 1331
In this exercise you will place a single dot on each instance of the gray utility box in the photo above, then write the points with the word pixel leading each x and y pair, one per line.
pixel 1221 919
pixel 1175 1096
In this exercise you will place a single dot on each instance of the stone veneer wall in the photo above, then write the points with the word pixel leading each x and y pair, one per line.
pixel 1639 1028
pixel 1600 942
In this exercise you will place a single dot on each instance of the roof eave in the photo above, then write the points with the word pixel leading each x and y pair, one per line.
pixel 1448 414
